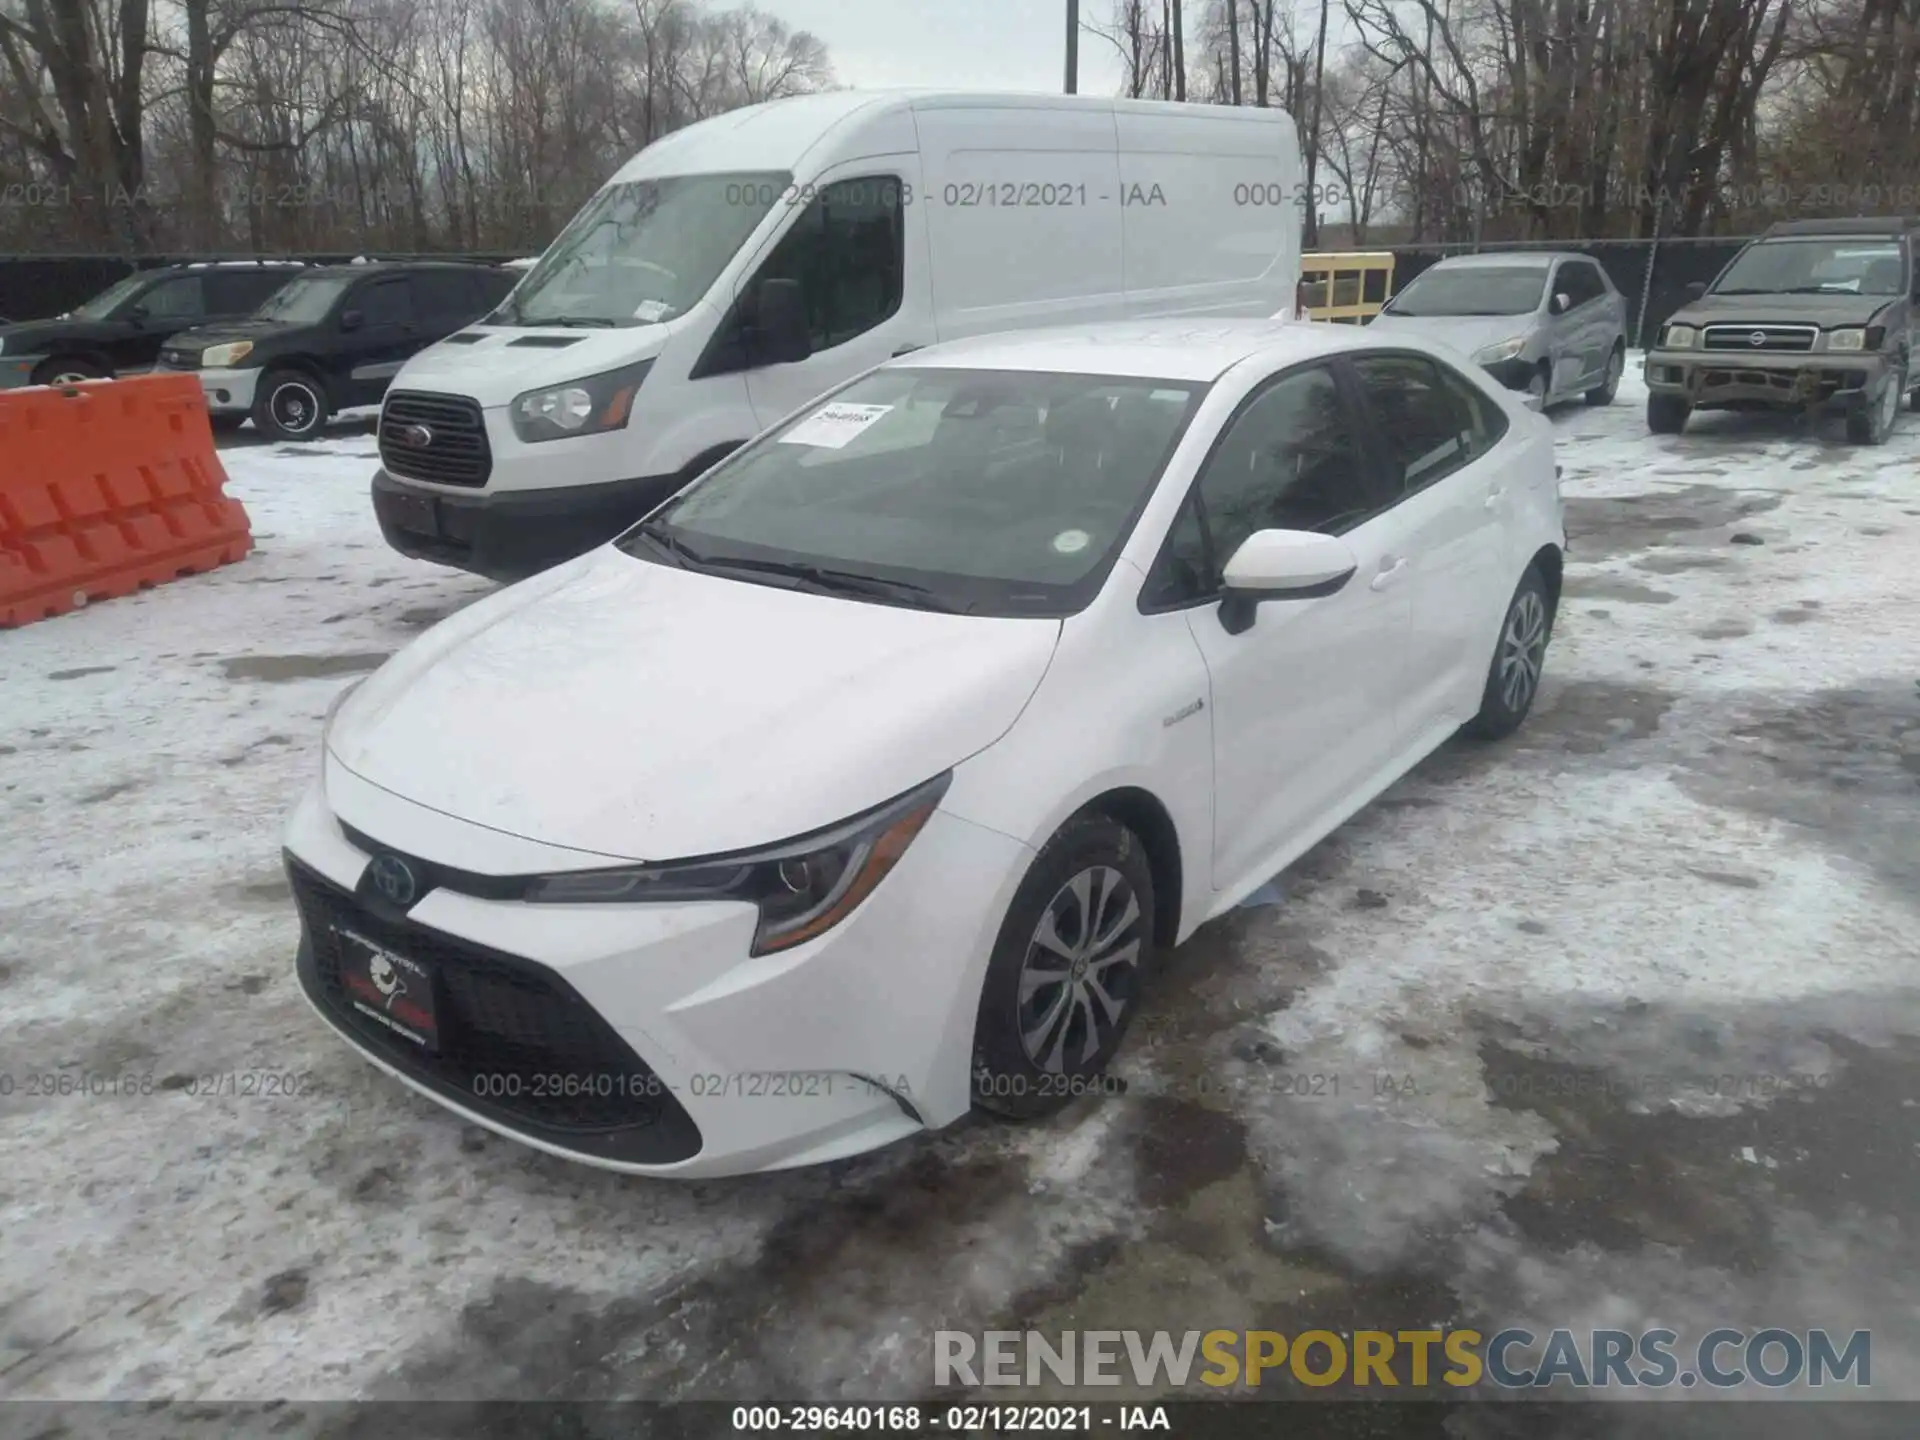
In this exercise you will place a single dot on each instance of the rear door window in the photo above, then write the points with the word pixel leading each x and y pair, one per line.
pixel 386 303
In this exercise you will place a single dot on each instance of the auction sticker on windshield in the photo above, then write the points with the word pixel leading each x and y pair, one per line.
pixel 834 427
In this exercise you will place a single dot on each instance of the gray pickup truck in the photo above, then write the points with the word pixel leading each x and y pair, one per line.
pixel 1815 314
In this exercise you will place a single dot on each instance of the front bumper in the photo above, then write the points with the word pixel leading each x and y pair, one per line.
pixel 229 392
pixel 16 371
pixel 1727 379
pixel 643 1037
pixel 510 534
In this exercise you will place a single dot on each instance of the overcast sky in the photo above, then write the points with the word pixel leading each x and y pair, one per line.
pixel 966 44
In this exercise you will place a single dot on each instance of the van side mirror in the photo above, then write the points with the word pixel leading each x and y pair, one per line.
pixel 1282 565
pixel 1561 303
pixel 352 319
pixel 780 334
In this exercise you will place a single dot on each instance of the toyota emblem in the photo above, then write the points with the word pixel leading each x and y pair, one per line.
pixel 394 879
pixel 417 436
pixel 1757 338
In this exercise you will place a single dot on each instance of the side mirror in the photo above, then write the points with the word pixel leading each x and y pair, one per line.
pixel 1561 303
pixel 1282 565
pixel 352 320
pixel 780 335
pixel 1696 287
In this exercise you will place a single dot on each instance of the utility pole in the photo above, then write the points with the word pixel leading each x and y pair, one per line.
pixel 1073 47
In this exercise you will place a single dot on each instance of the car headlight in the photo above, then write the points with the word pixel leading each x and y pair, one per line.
pixel 219 357
pixel 1846 339
pixel 1505 350
pixel 580 407
pixel 1677 337
pixel 802 888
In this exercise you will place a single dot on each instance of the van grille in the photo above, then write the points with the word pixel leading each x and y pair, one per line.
pixel 456 451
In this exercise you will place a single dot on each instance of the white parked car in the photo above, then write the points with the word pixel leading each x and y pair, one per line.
pixel 863 781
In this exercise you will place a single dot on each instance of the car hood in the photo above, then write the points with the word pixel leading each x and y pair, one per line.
pixel 506 362
pixel 30 336
pixel 1465 333
pixel 643 712
pixel 1827 311
pixel 201 337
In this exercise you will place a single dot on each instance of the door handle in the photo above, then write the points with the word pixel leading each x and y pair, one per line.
pixel 1495 496
pixel 905 350
pixel 1390 568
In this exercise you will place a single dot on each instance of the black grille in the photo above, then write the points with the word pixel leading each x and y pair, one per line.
pixel 552 1068
pixel 1774 337
pixel 457 452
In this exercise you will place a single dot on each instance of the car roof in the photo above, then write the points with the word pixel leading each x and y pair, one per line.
pixel 391 267
pixel 1505 260
pixel 1876 227
pixel 181 267
pixel 1192 350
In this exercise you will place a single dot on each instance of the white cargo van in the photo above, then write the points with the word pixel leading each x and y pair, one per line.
pixel 736 269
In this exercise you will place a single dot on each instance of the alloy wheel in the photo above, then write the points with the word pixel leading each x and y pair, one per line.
pixel 1081 969
pixel 1523 650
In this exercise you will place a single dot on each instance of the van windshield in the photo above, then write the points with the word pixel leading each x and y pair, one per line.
pixel 643 251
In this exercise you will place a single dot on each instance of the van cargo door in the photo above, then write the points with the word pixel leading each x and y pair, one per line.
pixel 1023 206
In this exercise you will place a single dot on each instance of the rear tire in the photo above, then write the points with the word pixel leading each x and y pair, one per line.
pixel 1064 980
pixel 1608 388
pixel 1872 424
pixel 290 405
pixel 1519 656
pixel 1667 414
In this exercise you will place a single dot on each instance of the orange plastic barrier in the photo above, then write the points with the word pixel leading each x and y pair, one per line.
pixel 108 487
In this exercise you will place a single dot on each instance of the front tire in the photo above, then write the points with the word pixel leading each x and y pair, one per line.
pixel 1667 414
pixel 290 405
pixel 69 370
pixel 1065 976
pixel 1616 367
pixel 1513 679
pixel 1871 425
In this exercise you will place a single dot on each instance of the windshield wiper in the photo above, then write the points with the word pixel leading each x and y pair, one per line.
pixel 573 322
pixel 664 539
pixel 845 582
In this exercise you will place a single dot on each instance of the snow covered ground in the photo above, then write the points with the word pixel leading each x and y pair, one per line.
pixel 1613 1024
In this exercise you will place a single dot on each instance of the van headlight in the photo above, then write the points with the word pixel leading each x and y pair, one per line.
pixel 1505 350
pixel 579 407
pixel 1846 339
pixel 802 888
pixel 220 357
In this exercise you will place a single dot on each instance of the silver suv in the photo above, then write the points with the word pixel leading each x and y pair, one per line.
pixel 1814 315
pixel 1545 322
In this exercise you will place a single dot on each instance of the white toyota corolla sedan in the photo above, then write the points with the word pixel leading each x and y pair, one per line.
pixel 864 781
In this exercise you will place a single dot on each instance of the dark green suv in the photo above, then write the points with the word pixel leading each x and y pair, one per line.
pixel 1815 314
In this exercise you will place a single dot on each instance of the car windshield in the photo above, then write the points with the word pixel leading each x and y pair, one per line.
pixel 986 492
pixel 643 251
pixel 1835 266
pixel 1473 290
pixel 305 300
pixel 102 306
